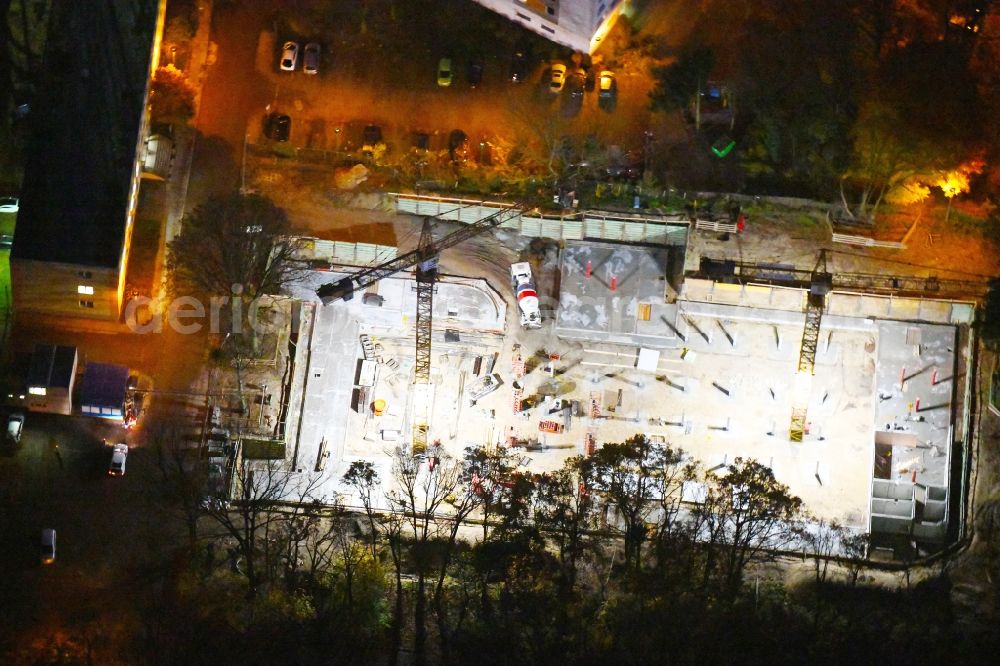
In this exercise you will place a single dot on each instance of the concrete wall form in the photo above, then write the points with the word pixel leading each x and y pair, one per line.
pixel 597 225
pixel 844 304
pixel 344 254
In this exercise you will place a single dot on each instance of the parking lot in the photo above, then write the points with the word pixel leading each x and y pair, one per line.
pixel 386 76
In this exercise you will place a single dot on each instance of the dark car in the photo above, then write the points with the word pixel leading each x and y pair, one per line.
pixel 458 146
pixel 518 67
pixel 627 166
pixel 372 135
pixel 576 83
pixel 278 127
pixel 475 73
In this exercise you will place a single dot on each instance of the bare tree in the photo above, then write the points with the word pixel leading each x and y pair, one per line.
pixel 490 472
pixel 671 533
pixel 624 474
pixel 320 543
pixel 235 247
pixel 260 493
pixel 753 515
pixel 421 487
pixel 361 476
pixel 182 474
pixel 463 501
pixel 821 539
pixel 564 509
pixel 352 555
pixel 855 547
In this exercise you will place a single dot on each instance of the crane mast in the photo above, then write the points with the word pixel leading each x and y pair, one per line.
pixel 425 259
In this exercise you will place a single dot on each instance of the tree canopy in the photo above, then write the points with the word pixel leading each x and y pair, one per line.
pixel 171 96
pixel 235 244
pixel 856 98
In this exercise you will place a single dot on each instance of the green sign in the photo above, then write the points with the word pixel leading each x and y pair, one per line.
pixel 721 148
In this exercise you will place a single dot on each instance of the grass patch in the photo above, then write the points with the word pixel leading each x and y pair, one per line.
pixel 995 391
pixel 263 449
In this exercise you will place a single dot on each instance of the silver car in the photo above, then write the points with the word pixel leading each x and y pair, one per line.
pixel 289 56
pixel 119 454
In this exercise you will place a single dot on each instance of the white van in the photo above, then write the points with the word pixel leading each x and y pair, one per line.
pixel 15 424
pixel 48 551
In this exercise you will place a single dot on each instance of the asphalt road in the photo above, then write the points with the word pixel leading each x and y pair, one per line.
pixel 110 530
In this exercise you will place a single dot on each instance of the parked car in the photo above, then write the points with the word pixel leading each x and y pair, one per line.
pixel 119 454
pixel 575 83
pixel 218 443
pixel 310 58
pixel 608 87
pixel 372 137
pixel 278 126
pixel 216 476
pixel 557 78
pixel 48 550
pixel 9 205
pixel 289 56
pixel 444 72
pixel 458 146
pixel 475 73
pixel 15 424
pixel 518 67
pixel 626 165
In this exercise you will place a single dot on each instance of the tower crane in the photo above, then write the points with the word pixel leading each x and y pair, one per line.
pixel 425 259
pixel 820 285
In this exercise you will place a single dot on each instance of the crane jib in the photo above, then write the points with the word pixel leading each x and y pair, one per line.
pixel 425 258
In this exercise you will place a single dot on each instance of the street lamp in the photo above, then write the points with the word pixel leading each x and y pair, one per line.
pixel 645 153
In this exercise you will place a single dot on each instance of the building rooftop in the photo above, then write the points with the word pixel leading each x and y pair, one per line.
pixel 85 123
pixel 52 366
pixel 104 385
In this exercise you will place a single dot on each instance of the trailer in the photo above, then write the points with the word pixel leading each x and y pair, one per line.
pixel 527 296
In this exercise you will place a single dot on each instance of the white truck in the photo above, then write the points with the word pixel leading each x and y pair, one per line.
pixel 527 297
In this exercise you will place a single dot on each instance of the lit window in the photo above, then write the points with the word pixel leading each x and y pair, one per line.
pixel 36 390
pixel 87 290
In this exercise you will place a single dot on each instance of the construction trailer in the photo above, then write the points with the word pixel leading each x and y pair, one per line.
pixel 104 390
pixel 51 377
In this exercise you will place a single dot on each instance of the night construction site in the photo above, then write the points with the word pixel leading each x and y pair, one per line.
pixel 854 389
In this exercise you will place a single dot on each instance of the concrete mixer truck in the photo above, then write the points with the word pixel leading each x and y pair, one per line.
pixel 527 297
